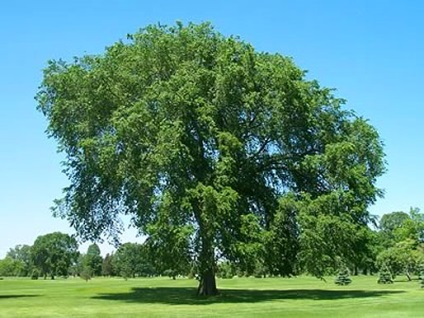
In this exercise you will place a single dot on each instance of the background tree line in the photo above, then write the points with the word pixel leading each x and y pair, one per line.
pixel 56 254
pixel 395 242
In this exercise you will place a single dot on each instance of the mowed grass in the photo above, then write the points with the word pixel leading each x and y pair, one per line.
pixel 240 297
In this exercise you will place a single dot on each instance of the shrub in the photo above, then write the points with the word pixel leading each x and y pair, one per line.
pixel 35 274
pixel 170 273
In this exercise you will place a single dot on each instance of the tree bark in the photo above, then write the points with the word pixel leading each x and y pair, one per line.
pixel 207 284
pixel 206 258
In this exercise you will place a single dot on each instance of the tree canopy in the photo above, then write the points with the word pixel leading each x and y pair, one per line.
pixel 131 260
pixel 92 260
pixel 21 254
pixel 401 237
pixel 54 253
pixel 226 152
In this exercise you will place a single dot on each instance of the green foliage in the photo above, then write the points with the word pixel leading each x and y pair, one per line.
pixel 11 267
pixel 53 254
pixel 384 277
pixel 21 254
pixel 402 258
pixel 168 248
pixel 170 273
pixel 412 228
pixel 107 266
pixel 400 238
pixel 364 252
pixel 399 226
pixel 226 270
pixel 392 221
pixel 131 260
pixel 203 141
pixel 86 273
pixel 343 277
pixel 77 266
pixel 329 232
pixel 93 260
pixel 35 274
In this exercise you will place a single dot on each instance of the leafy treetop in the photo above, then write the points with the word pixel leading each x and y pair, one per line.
pixel 206 142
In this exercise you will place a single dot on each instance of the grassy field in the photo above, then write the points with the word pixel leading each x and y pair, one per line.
pixel 240 297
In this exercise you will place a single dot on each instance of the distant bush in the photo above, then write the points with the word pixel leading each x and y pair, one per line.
pixel 225 270
pixel 170 273
pixel 35 274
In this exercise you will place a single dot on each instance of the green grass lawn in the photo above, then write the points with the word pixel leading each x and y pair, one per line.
pixel 240 297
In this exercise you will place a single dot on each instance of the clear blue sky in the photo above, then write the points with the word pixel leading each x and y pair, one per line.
pixel 371 51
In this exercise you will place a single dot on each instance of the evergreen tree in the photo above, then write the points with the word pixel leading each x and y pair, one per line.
pixel 385 277
pixel 107 266
pixel 93 260
pixel 343 277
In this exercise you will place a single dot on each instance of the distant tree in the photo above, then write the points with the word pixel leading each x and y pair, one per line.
pixel 198 135
pixel 22 254
pixel 400 226
pixel 131 260
pixel 402 258
pixel 92 260
pixel 392 221
pixel 77 266
pixel 412 228
pixel 107 265
pixel 54 253
pixel 388 225
pixel 226 270
pixel 86 273
pixel 10 267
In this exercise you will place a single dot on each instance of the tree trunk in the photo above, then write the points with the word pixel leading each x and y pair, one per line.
pixel 206 258
pixel 207 284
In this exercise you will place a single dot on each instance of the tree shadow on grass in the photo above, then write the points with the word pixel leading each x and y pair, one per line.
pixel 187 296
pixel 16 296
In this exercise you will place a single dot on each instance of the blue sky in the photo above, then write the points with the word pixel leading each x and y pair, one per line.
pixel 371 51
